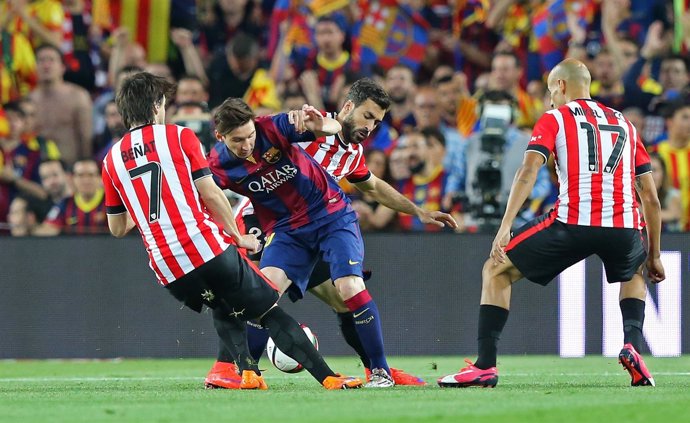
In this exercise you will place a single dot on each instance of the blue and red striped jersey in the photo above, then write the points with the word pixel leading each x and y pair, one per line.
pixel 287 187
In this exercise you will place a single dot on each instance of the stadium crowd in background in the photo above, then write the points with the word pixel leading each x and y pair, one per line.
pixel 445 64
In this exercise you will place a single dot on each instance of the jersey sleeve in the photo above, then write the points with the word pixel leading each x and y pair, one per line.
pixel 360 173
pixel 192 148
pixel 113 202
pixel 543 139
pixel 216 168
pixel 642 161
pixel 288 131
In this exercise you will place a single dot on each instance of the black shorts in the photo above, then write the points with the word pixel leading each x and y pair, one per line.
pixel 229 282
pixel 544 247
pixel 249 224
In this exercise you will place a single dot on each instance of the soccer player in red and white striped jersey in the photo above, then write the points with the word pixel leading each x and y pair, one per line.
pixel 157 178
pixel 600 161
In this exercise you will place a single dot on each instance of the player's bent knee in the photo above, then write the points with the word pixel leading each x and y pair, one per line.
pixel 493 271
pixel 278 277
pixel 349 286
pixel 327 293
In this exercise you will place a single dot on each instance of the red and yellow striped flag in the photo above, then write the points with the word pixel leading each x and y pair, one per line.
pixel 148 22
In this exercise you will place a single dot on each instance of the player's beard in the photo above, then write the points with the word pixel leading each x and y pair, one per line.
pixel 351 133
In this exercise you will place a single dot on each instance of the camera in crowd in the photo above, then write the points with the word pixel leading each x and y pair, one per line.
pixel 496 114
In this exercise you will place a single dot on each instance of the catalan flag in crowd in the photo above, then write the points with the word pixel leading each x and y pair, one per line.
pixel 262 92
pixel 390 33
pixel 147 20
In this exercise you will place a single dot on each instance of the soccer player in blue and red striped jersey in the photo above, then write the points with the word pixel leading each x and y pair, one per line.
pixel 341 156
pixel 301 207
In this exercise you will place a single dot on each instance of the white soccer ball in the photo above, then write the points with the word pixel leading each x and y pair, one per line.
pixel 282 361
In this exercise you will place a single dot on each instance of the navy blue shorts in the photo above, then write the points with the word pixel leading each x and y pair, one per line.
pixel 338 241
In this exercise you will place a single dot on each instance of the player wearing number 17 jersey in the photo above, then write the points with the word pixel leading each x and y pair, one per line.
pixel 601 162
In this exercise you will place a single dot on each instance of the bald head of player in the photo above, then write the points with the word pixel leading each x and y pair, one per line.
pixel 568 81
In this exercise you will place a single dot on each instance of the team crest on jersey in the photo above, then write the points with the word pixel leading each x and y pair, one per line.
pixel 272 155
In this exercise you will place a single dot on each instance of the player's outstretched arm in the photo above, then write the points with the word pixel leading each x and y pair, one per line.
pixel 218 205
pixel 385 194
pixel 524 181
pixel 651 209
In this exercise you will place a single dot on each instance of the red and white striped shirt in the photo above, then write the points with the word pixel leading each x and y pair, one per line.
pixel 150 173
pixel 339 159
pixel 598 155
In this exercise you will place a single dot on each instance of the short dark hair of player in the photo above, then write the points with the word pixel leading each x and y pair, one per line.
pixel 232 114
pixel 365 89
pixel 138 95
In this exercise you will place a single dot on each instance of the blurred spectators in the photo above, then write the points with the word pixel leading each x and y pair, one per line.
pixel 401 89
pixel 669 197
pixel 18 164
pixel 54 181
pixel 427 113
pixel 84 212
pixel 64 109
pixel 372 215
pixel 114 130
pixel 25 214
pixel 47 147
pixel 231 71
pixel 675 152
pixel 435 59
pixel 425 187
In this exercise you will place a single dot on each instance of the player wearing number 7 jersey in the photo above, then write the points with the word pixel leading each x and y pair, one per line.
pixel 600 161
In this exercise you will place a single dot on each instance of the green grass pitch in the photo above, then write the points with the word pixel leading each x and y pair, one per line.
pixel 531 389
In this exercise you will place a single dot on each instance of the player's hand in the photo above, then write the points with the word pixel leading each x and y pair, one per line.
pixel 297 118
pixel 655 269
pixel 437 218
pixel 498 253
pixel 249 242
pixel 313 119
